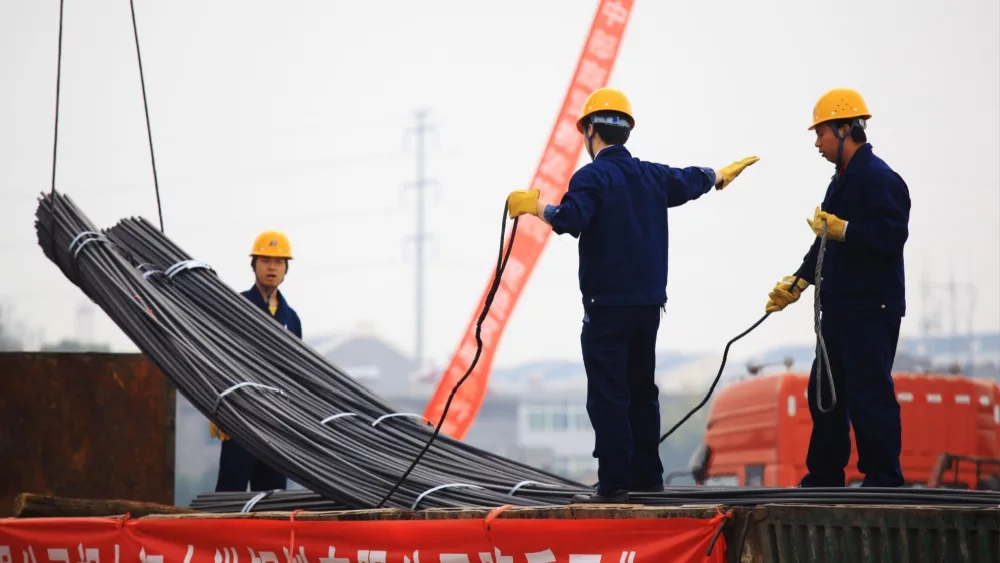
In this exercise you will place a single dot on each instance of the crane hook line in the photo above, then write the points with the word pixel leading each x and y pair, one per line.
pixel 145 105
pixel 55 133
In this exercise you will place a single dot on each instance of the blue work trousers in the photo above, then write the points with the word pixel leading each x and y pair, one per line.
pixel 861 348
pixel 619 354
pixel 237 467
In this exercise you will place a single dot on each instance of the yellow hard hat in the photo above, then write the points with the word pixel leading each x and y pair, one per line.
pixel 839 103
pixel 272 243
pixel 605 99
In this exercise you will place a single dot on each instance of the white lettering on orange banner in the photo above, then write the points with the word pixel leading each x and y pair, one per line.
pixel 501 558
pixel 265 557
pixel 465 356
pixel 230 555
pixel 555 163
pixel 603 45
pixel 331 557
pixel 593 75
pixel 299 557
pixel 513 274
pixel 501 302
pixel 489 331
pixel 88 555
pixel 59 555
pixel 535 230
pixel 567 136
pixel 541 557
pixel 360 556
pixel 369 556
pixel 577 97
pixel 615 13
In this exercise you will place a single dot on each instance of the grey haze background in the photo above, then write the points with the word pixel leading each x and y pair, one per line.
pixel 292 116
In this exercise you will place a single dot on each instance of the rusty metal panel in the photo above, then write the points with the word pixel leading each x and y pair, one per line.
pixel 873 534
pixel 85 425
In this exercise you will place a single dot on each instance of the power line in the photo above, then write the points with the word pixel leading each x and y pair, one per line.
pixel 420 183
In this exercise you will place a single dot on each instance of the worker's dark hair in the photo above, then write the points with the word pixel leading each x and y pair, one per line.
pixel 857 133
pixel 612 134
pixel 253 264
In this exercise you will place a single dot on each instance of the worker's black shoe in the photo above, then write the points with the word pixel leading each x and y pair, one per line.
pixel 614 497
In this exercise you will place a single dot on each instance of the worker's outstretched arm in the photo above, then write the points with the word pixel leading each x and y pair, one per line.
pixel 578 205
pixel 685 184
pixel 571 215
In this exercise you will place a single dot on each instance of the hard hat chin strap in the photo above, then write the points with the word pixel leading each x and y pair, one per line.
pixel 856 123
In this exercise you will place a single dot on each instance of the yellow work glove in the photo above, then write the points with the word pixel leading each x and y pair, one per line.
pixel 214 431
pixel 784 294
pixel 835 226
pixel 729 173
pixel 521 202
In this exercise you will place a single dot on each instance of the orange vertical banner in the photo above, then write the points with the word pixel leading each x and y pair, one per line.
pixel 552 176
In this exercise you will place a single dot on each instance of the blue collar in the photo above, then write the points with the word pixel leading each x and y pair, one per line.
pixel 859 161
pixel 613 151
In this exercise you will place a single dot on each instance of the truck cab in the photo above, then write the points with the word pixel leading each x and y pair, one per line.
pixel 757 433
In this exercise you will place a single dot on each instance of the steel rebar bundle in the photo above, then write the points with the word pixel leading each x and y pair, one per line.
pixel 286 501
pixel 284 402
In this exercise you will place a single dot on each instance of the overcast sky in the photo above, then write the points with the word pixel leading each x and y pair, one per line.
pixel 291 115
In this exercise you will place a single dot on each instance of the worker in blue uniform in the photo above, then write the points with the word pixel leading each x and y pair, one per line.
pixel 862 299
pixel 269 260
pixel 617 206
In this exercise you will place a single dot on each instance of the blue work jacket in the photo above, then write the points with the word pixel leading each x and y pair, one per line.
pixel 284 315
pixel 617 207
pixel 864 272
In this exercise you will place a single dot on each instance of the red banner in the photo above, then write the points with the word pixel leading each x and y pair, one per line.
pixel 221 540
pixel 551 178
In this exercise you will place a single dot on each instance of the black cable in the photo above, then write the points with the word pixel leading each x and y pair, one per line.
pixel 821 355
pixel 145 105
pixel 718 376
pixel 501 265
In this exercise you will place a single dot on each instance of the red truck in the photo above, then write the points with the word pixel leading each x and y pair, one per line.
pixel 757 432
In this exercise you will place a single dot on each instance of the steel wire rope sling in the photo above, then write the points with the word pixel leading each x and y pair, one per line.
pixel 501 265
pixel 822 358
pixel 55 133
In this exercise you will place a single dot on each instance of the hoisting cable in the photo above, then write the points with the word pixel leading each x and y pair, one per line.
pixel 822 358
pixel 494 286
pixel 145 105
pixel 55 134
